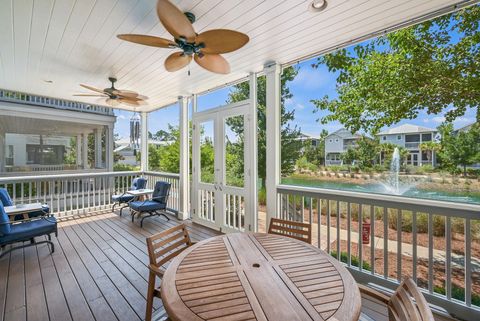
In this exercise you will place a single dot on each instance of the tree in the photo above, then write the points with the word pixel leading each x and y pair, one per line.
pixel 386 153
pixel 460 149
pixel 432 67
pixel 290 144
pixel 315 154
pixel 367 152
pixel 430 148
pixel 349 157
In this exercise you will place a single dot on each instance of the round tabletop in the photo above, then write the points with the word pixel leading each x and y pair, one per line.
pixel 255 276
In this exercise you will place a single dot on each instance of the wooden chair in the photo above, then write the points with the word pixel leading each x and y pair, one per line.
pixel 163 247
pixel 406 304
pixel 296 230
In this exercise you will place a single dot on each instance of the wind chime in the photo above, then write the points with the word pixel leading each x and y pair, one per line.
pixel 135 132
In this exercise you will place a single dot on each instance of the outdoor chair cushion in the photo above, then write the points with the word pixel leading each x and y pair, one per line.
pixel 5 198
pixel 30 229
pixel 137 183
pixel 161 192
pixel 122 198
pixel 147 206
pixel 4 228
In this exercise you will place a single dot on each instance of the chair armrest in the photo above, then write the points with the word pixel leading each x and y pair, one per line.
pixel 377 295
pixel 159 198
pixel 156 270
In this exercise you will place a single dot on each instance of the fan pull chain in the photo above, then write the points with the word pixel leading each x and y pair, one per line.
pixel 188 69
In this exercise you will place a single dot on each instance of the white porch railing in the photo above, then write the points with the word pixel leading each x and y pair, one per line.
pixel 436 243
pixel 75 194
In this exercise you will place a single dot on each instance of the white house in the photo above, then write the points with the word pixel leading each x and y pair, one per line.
pixel 338 143
pixel 129 157
pixel 410 137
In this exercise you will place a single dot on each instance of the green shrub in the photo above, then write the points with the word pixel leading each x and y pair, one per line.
pixel 458 293
pixel 262 196
pixel 353 258
pixel 125 168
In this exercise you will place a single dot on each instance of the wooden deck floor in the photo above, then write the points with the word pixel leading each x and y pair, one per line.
pixel 98 271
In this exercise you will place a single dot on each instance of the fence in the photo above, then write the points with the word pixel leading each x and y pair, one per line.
pixel 74 194
pixel 383 238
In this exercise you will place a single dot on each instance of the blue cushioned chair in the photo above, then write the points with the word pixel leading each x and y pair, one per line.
pixel 25 230
pixel 6 200
pixel 156 206
pixel 125 198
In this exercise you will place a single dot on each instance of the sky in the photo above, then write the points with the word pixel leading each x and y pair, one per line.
pixel 309 84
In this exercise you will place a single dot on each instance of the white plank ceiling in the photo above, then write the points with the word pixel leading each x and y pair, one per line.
pixel 74 41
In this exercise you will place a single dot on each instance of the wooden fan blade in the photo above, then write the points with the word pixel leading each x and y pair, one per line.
pixel 175 21
pixel 148 40
pixel 93 88
pixel 112 102
pixel 90 95
pixel 214 63
pixel 177 61
pixel 131 102
pixel 221 41
pixel 125 93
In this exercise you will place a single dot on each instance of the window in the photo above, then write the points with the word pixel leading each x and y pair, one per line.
pixel 399 137
pixel 384 137
pixel 331 140
pixel 9 158
pixel 336 140
pixel 412 138
pixel 426 137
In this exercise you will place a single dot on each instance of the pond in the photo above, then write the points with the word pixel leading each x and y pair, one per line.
pixel 463 196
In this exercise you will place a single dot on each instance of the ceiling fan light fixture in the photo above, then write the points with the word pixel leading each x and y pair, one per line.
pixel 317 5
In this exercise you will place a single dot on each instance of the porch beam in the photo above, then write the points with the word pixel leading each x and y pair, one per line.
pixel 253 166
pixel 79 150
pixel 273 114
pixel 183 213
pixel 109 147
pixel 85 150
pixel 144 142
pixel 3 148
pixel 98 148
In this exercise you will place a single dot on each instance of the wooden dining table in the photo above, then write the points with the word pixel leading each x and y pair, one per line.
pixel 256 276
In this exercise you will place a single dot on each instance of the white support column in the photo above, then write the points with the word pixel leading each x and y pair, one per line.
pixel 3 148
pixel 110 146
pixel 253 164
pixel 193 188
pixel 144 142
pixel 79 150
pixel 273 114
pixel 98 148
pixel 184 159
pixel 85 150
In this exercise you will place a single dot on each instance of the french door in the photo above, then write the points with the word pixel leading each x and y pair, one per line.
pixel 222 180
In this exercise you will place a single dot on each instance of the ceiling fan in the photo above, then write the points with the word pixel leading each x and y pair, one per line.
pixel 205 48
pixel 115 96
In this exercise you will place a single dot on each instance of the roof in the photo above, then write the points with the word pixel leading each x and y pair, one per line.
pixel 345 134
pixel 406 129
pixel 124 143
pixel 465 128
pixel 61 45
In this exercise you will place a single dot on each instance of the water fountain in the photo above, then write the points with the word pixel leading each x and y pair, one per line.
pixel 392 184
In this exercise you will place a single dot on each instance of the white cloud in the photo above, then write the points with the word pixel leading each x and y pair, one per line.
pixel 438 119
pixel 121 117
pixel 300 106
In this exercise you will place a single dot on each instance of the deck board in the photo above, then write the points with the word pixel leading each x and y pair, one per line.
pixel 98 271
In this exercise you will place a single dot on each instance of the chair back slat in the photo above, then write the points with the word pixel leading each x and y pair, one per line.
pixel 408 304
pixel 165 245
pixel 296 230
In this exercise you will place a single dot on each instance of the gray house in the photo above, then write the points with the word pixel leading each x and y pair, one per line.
pixel 410 137
pixel 338 143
